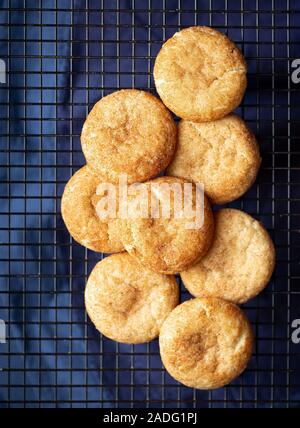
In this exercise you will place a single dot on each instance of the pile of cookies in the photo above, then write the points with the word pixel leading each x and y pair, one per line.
pixel 132 296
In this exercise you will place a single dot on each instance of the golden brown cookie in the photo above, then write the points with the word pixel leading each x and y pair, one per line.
pixel 167 243
pixel 200 74
pixel 78 208
pixel 239 263
pixel 128 132
pixel 206 342
pixel 127 302
pixel 223 155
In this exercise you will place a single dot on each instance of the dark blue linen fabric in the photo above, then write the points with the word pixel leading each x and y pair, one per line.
pixel 61 57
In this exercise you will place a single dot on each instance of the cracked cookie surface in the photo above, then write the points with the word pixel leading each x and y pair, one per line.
pixel 78 208
pixel 168 243
pixel 206 342
pixel 200 74
pixel 239 263
pixel 129 132
pixel 127 302
pixel 223 155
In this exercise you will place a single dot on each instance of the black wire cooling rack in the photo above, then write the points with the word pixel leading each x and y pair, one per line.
pixel 61 57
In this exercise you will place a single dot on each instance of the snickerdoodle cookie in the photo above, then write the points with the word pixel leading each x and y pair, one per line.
pixel 206 342
pixel 169 239
pixel 239 263
pixel 78 208
pixel 128 132
pixel 200 74
pixel 223 155
pixel 127 302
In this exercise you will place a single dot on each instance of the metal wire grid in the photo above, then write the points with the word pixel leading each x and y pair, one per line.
pixel 62 56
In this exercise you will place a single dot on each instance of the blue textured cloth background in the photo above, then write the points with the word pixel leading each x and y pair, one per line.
pixel 59 64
